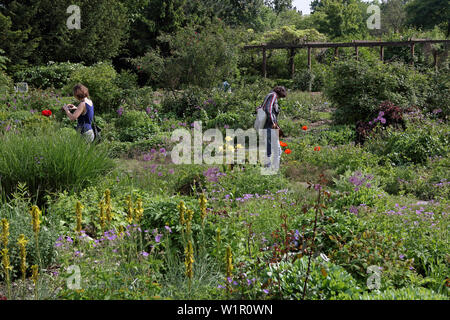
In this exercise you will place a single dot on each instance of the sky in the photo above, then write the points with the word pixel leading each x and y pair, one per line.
pixel 302 5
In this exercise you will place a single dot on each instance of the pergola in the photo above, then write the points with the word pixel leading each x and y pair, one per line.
pixel 336 45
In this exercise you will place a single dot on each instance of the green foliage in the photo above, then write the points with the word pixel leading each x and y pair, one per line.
pixel 48 161
pixel 6 83
pixel 290 35
pixel 373 249
pixel 100 80
pixel 407 293
pixel 17 212
pixel 135 125
pixel 326 280
pixel 16 41
pixel 53 75
pixel 202 56
pixel 416 144
pixel 428 13
pixel 338 18
pixel 357 88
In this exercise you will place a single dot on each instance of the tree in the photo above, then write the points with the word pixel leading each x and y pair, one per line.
pixel 338 18
pixel 40 32
pixel 280 5
pixel 393 15
pixel 428 13
pixel 16 37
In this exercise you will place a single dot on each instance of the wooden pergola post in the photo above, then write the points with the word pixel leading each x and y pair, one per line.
pixel 435 55
pixel 309 58
pixel 412 53
pixel 382 53
pixel 264 66
pixel 291 62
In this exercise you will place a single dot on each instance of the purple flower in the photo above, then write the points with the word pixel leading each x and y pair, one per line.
pixel 158 238
pixel 120 111
pixel 168 229
pixel 401 256
pixel 266 291
pixel 162 150
pixel 69 239
pixel 229 279
pixel 145 254
pixel 171 171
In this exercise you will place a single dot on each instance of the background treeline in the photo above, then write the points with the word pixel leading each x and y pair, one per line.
pixel 34 32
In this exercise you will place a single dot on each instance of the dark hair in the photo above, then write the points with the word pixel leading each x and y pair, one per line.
pixel 80 91
pixel 280 91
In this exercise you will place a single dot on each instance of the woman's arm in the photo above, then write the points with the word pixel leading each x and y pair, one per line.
pixel 79 110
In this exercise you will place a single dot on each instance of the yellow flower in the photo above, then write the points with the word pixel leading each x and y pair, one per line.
pixel 228 139
pixel 35 273
pixel 202 200
pixel 230 148
pixel 5 232
pixel 229 260
pixel 130 210
pixel 36 214
pixel 220 148
pixel 239 146
pixel 78 209
pixel 189 259
pixel 138 211
pixel 5 260
pixel 181 210
pixel 22 241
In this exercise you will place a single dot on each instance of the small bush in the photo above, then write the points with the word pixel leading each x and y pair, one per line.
pixel 135 125
pixel 53 75
pixel 100 79
pixel 357 88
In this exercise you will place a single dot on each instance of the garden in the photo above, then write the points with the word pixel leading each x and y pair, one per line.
pixel 359 209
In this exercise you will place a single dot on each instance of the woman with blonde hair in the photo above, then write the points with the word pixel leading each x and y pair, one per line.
pixel 84 113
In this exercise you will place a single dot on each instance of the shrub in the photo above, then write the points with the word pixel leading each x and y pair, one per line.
pixel 135 125
pixel 53 75
pixel 418 142
pixel 49 161
pixel 5 83
pixel 357 88
pixel 202 56
pixel 100 80
pixel 303 78
pixel 326 280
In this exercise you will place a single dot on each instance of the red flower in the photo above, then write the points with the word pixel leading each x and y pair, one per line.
pixel 283 144
pixel 316 148
pixel 47 113
pixel 304 128
pixel 288 151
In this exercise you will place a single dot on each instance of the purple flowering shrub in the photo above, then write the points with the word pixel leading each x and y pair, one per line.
pixel 388 115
